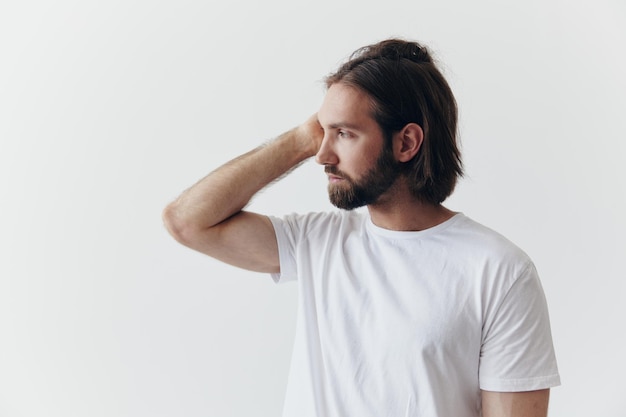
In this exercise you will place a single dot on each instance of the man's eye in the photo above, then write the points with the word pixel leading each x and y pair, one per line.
pixel 343 134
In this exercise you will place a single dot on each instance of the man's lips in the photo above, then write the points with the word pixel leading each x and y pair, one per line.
pixel 334 178
pixel 334 175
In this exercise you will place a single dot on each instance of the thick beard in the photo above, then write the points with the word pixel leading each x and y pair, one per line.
pixel 351 194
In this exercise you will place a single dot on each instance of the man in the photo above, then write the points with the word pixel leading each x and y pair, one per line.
pixel 409 309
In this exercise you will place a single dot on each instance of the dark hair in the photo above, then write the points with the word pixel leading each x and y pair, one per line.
pixel 406 87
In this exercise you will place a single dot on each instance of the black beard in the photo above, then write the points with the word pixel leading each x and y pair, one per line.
pixel 368 189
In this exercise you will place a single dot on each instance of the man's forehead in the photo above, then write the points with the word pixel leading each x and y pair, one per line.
pixel 345 106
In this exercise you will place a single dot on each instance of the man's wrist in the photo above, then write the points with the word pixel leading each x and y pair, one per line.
pixel 299 143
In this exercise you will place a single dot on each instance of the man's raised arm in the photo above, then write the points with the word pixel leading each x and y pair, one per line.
pixel 208 217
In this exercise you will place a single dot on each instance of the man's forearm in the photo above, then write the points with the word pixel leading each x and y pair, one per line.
pixel 228 189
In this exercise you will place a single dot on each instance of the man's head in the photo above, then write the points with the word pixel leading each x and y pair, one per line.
pixel 402 87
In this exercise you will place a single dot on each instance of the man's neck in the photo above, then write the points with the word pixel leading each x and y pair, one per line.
pixel 399 210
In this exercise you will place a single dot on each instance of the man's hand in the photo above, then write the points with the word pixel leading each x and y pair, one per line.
pixel 311 134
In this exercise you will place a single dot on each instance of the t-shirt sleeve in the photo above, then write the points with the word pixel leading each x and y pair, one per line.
pixel 286 238
pixel 517 352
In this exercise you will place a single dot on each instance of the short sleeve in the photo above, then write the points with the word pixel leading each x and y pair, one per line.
pixel 517 352
pixel 285 237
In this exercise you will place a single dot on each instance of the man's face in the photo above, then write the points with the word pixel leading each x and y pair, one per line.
pixel 360 166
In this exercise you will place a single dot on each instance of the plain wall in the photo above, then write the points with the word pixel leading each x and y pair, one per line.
pixel 109 109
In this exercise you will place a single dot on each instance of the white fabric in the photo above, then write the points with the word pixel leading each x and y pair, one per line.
pixel 409 323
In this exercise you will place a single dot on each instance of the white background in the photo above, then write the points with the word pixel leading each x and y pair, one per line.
pixel 109 109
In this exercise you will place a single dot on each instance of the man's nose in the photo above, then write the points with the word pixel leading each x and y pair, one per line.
pixel 326 155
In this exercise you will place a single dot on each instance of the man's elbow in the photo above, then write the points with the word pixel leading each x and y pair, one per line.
pixel 181 228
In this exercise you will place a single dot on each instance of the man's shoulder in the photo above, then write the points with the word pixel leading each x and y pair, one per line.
pixel 323 218
pixel 324 222
pixel 479 239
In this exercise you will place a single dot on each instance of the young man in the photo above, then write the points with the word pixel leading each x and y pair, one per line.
pixel 409 309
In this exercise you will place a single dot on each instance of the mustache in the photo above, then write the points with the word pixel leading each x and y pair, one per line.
pixel 331 169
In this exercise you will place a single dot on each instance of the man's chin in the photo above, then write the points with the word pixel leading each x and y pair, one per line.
pixel 342 206
pixel 345 200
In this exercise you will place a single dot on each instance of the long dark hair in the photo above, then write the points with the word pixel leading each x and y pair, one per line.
pixel 406 87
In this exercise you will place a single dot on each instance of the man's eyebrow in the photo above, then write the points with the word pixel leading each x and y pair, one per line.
pixel 343 125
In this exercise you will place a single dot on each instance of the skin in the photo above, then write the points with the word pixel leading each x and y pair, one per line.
pixel 343 136
pixel 515 404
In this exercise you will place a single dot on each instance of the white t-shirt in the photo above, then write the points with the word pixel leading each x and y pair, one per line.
pixel 409 323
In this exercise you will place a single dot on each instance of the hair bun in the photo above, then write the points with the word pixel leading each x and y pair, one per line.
pixel 395 49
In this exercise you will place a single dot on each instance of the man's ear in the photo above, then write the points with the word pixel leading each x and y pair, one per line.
pixel 407 142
